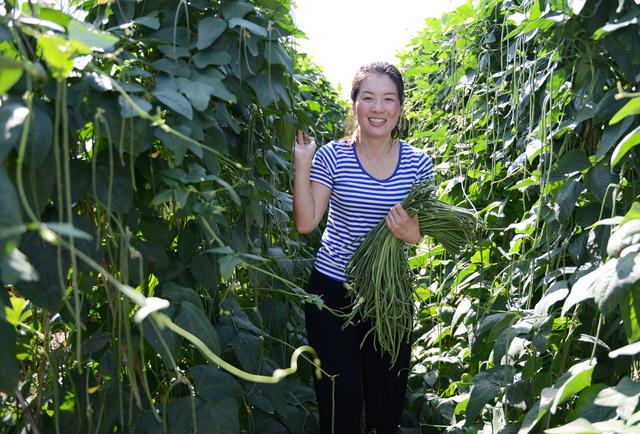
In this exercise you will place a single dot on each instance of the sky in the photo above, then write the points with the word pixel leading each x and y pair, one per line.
pixel 345 34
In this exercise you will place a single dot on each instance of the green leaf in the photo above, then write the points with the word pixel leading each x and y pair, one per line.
pixel 624 397
pixel 627 350
pixel 95 39
pixel 198 93
pixel 10 73
pixel 631 108
pixel 175 101
pixel 209 29
pixel 151 21
pixel 585 408
pixel 252 27
pixel 213 384
pixel 616 279
pixel 599 180
pixel 236 9
pixel 9 370
pixel 578 426
pixel 10 215
pixel 165 343
pixel 570 164
pixel 629 141
pixel 58 54
pixel 192 319
pixel 180 294
pixel 626 235
pixel 630 313
pixel 573 381
pixel 567 198
pixel 481 394
pixel 633 213
pixel 211 56
pixel 15 267
pixel 113 187
pixel 12 117
pixel 127 110
pixel 538 410
pixel 40 137
pixel 18 312
pixel 219 90
pixel 263 89
pixel 227 265
pixel 246 347
pixel 611 136
pixel 219 417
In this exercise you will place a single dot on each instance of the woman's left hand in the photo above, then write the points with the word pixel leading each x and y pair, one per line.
pixel 403 226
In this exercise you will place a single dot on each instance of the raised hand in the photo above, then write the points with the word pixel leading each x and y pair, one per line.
pixel 305 147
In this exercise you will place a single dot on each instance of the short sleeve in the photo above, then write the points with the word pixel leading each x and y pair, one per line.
pixel 323 166
pixel 425 169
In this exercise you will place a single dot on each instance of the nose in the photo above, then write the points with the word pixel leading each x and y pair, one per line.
pixel 377 106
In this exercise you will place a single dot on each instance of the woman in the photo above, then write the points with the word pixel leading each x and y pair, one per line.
pixel 362 180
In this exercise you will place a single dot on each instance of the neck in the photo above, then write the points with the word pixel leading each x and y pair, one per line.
pixel 377 146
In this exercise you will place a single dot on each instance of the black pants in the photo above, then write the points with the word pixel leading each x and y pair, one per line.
pixel 358 375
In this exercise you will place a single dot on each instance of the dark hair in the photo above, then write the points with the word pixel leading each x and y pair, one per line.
pixel 383 68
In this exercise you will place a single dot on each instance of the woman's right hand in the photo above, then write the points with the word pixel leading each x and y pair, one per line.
pixel 304 148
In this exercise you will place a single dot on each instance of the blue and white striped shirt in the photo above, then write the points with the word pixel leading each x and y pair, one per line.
pixel 359 201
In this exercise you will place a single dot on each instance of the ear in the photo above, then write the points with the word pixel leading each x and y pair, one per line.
pixel 353 107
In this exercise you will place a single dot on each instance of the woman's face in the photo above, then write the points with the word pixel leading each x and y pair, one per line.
pixel 377 106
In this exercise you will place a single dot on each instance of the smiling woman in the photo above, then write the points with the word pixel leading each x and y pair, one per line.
pixel 362 179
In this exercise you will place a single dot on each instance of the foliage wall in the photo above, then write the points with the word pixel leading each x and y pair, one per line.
pixel 144 231
pixel 530 110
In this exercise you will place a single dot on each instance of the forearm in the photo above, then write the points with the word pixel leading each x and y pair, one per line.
pixel 303 204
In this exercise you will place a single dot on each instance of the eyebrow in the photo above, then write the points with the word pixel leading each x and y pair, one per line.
pixel 388 93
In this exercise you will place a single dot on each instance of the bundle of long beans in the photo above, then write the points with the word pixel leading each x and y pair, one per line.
pixel 381 283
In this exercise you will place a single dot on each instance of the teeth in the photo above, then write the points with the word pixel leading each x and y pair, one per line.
pixel 378 120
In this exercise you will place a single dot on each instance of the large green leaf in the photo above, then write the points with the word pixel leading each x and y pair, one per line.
pixel 631 108
pixel 629 141
pixel 247 350
pixel 175 101
pixel 95 39
pixel 9 371
pixel 213 384
pixel 600 182
pixel 13 113
pixel 617 277
pixel 630 313
pixel 10 215
pixel 58 54
pixel 249 25
pixel 209 28
pixel 10 73
pixel 577 378
pixel 570 164
pixel 211 56
pixel 40 137
pixel 193 319
pixel 198 93
pixel 624 397
pixel 113 187
pixel 236 9
pixel 611 136
pixel 567 199
pixel 15 267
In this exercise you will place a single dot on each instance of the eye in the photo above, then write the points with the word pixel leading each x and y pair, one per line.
pixel 389 99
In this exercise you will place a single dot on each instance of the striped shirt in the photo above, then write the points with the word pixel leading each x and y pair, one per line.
pixel 359 201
